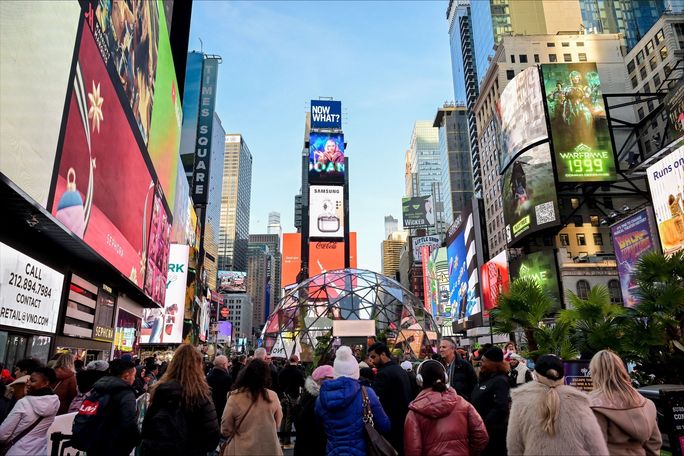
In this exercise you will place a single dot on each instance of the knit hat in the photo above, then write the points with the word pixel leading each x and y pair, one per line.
pixel 98 365
pixel 322 372
pixel 345 363
pixel 407 366
pixel 550 366
pixel 515 356
pixel 494 354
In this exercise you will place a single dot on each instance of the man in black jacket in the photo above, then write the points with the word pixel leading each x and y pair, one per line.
pixel 220 382
pixel 393 388
pixel 291 381
pixel 462 375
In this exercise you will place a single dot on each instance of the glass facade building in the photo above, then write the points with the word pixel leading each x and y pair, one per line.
pixel 424 157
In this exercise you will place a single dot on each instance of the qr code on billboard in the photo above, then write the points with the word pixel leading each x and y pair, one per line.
pixel 545 213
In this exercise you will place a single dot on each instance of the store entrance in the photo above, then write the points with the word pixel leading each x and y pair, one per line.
pixel 15 350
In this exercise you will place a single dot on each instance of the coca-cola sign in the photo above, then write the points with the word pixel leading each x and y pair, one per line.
pixel 326 245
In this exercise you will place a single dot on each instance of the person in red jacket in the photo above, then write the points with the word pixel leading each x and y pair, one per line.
pixel 439 421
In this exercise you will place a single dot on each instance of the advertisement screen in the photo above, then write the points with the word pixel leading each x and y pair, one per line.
pixel 666 180
pixel 232 282
pixel 325 256
pixel 417 212
pixel 326 211
pixel 579 129
pixel 292 258
pixel 165 325
pixel 529 194
pixel 674 107
pixel 521 110
pixel 157 253
pixel 541 266
pixel 464 293
pixel 326 157
pixel 326 114
pixel 632 237
pixel 494 277
pixel 418 243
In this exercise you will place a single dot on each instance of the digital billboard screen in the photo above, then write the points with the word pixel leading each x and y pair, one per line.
pixel 521 110
pixel 495 280
pixel 540 266
pixel 326 114
pixel 326 211
pixel 417 212
pixel 325 256
pixel 529 194
pixel 417 243
pixel 292 258
pixel 632 237
pixel 579 129
pixel 326 157
pixel 674 108
pixel 232 282
pixel 666 180
pixel 157 253
pixel 464 293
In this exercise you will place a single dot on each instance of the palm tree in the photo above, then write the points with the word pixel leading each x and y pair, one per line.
pixel 554 338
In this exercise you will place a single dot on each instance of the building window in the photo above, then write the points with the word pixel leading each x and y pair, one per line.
pixel 631 66
pixel 565 44
pixel 652 63
pixel 567 57
pixel 649 104
pixel 564 240
pixel 667 70
pixel 510 74
pixel 583 289
pixel 643 73
pixel 536 58
pixel 659 36
pixel 582 57
pixel 663 52
pixel 594 219
pixel 581 239
pixel 580 43
pixel 640 57
pixel 551 45
pixel 614 291
pixel 512 58
pixel 598 239
pixel 635 82
pixel 577 220
pixel 522 58
pixel 574 202
pixel 640 113
pixel 649 47
pixel 553 58
pixel 656 81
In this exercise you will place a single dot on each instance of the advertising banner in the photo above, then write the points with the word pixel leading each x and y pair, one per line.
pixel 104 324
pixel 326 211
pixel 541 266
pixel 30 292
pixel 205 123
pixel 417 212
pixel 326 157
pixel 432 242
pixel 326 114
pixel 579 130
pixel 464 292
pixel 577 374
pixel 632 237
pixel 225 332
pixel 666 180
pixel 325 256
pixel 495 281
pixel 529 194
pixel 674 107
pixel 425 255
pixel 521 108
pixel 232 282
pixel 292 258
pixel 157 253
pixel 165 325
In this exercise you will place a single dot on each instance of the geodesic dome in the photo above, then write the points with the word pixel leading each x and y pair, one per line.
pixel 337 307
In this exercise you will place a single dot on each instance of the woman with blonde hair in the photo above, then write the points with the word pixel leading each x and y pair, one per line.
pixel 551 418
pixel 181 419
pixel 627 419
pixel 65 386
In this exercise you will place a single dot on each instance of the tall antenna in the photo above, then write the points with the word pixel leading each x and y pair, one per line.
pixel 201 44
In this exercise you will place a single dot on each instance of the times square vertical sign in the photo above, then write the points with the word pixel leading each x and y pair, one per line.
pixel 207 103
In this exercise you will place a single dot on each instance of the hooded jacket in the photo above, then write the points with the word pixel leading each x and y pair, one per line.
pixel 628 430
pixel 443 424
pixel 340 406
pixel 65 388
pixel 26 411
pixel 577 431
pixel 312 441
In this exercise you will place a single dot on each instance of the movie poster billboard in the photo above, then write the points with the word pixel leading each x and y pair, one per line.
pixel 417 243
pixel 666 180
pixel 581 140
pixel 417 212
pixel 326 157
pixel 232 282
pixel 464 293
pixel 521 111
pixel 326 114
pixel 632 237
pixel 529 194
pixel 326 211
pixel 540 266
pixel 495 280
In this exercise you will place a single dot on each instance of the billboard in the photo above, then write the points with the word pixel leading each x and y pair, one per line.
pixel 165 325
pixel 417 243
pixel 292 258
pixel 464 292
pixel 326 157
pixel 326 211
pixel 325 256
pixel 541 266
pixel 674 108
pixel 495 280
pixel 666 180
pixel 232 282
pixel 205 125
pixel 417 212
pixel 582 145
pixel 326 114
pixel 521 111
pixel 529 194
pixel 632 237
pixel 157 253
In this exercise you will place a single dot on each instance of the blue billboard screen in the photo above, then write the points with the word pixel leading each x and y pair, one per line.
pixel 326 114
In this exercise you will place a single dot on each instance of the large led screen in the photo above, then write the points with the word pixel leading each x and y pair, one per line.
pixel 632 237
pixel 417 212
pixel 292 258
pixel 326 114
pixel 157 253
pixel 326 157
pixel 521 109
pixel 232 282
pixel 495 281
pixel 326 211
pixel 325 256
pixel 666 180
pixel 579 130
pixel 464 293
pixel 540 266
pixel 529 194
pixel 674 107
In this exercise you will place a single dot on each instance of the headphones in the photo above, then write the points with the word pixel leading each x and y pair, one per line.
pixel 419 377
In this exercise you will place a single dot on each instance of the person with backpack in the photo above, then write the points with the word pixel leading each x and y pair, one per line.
pixel 106 422
pixel 181 418
pixel 24 431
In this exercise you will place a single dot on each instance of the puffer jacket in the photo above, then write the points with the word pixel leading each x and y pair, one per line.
pixel 26 411
pixel 443 424
pixel 340 406
pixel 627 430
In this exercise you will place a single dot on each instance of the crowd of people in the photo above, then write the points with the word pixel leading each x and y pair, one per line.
pixel 489 404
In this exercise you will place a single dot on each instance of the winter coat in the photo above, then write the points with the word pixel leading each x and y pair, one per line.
pixel 340 407
pixel 519 375
pixel 394 390
pixel 311 441
pixel 577 431
pixel 220 382
pixel 627 430
pixel 462 377
pixel 26 411
pixel 257 433
pixel 443 424
pixel 202 424
pixel 291 380
pixel 491 399
pixel 64 388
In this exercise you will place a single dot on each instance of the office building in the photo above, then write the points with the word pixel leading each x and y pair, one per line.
pixel 423 159
pixel 212 219
pixel 239 314
pixel 260 269
pixel 274 226
pixel 391 225
pixel 273 242
pixel 235 204
pixel 391 253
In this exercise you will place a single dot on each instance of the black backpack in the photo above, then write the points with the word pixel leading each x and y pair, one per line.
pixel 91 424
pixel 165 428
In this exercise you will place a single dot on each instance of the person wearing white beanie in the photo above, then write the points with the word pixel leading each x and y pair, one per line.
pixel 345 364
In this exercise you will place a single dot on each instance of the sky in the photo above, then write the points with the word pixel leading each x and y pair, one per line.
pixel 389 64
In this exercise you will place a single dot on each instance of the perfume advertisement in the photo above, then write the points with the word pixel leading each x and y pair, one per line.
pixel 326 211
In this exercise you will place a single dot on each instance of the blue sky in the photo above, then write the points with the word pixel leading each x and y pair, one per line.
pixel 388 62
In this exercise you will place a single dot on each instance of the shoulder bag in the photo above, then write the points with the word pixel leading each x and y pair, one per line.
pixel 224 445
pixel 376 444
pixel 5 447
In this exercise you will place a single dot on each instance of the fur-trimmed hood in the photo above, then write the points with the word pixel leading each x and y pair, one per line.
pixel 312 387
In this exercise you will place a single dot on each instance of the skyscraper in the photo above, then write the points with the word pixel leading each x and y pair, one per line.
pixel 260 266
pixel 391 253
pixel 273 242
pixel 391 225
pixel 213 211
pixel 235 204
pixel 422 158
pixel 274 226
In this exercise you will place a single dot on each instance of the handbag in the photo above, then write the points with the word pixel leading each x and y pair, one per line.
pixel 376 444
pixel 5 447
pixel 224 445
